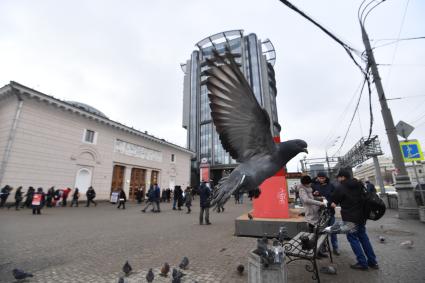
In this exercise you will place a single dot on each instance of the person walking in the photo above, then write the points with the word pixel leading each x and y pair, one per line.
pixel 65 194
pixel 37 201
pixel 151 198
pixel 188 199
pixel 122 198
pixel 75 197
pixel 311 206
pixel 178 195
pixel 204 201
pixel 4 195
pixel 28 198
pixel 349 195
pixel 18 199
pixel 324 188
pixel 157 197
pixel 91 195
pixel 49 196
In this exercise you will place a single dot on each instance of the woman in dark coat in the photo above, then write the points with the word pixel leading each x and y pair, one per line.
pixel 49 196
pixel 28 200
pixel 91 194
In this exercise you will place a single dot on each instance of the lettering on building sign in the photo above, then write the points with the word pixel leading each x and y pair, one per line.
pixel 138 151
pixel 281 196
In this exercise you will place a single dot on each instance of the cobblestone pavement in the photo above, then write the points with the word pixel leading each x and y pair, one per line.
pixel 91 245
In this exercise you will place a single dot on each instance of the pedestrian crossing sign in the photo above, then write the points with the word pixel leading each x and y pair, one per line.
pixel 411 151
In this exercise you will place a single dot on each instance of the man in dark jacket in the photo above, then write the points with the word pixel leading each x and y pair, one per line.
pixel 370 187
pixel 349 195
pixel 178 196
pixel 91 194
pixel 4 194
pixel 324 188
pixel 204 201
pixel 151 199
pixel 122 198
pixel 157 197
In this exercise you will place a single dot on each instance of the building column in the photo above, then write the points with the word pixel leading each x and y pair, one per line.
pixel 148 179
pixel 127 179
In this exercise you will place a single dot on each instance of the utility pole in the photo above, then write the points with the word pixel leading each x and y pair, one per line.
pixel 407 207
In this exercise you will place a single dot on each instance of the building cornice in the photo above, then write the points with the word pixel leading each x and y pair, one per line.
pixel 18 89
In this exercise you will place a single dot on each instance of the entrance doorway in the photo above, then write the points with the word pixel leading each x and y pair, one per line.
pixel 83 180
pixel 117 178
pixel 137 180
pixel 154 177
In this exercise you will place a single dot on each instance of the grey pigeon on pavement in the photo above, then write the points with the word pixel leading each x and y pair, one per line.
pixel 20 274
pixel 240 269
pixel 121 280
pixel 243 127
pixel 250 216
pixel 165 269
pixel 185 262
pixel 150 276
pixel 381 239
pixel 328 270
pixel 127 268
pixel 177 274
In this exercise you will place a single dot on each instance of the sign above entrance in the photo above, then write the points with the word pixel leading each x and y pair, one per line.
pixel 135 150
pixel 411 151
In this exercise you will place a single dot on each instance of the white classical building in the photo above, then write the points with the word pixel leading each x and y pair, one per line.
pixel 48 142
pixel 366 171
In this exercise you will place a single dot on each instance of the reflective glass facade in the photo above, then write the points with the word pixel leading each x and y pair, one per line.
pixel 247 50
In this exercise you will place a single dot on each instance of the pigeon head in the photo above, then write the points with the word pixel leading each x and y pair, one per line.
pixel 289 149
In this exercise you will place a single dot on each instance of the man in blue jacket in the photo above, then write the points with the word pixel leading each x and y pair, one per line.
pixel 157 196
pixel 324 188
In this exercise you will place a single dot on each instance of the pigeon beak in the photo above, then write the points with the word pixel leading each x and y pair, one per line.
pixel 305 150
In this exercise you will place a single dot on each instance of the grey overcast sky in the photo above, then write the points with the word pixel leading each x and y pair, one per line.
pixel 123 57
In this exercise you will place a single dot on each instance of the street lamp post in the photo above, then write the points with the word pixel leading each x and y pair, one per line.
pixel 407 207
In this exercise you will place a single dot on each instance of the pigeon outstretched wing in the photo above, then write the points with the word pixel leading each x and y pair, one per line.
pixel 242 124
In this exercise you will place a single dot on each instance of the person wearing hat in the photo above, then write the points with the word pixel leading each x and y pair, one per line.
pixel 349 196
pixel 311 206
pixel 324 188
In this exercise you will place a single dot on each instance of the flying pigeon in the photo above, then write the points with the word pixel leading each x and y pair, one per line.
pixel 20 274
pixel 150 276
pixel 240 268
pixel 243 127
pixel 127 268
pixel 185 262
pixel 165 269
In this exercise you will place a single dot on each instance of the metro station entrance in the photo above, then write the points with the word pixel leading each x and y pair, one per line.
pixel 137 180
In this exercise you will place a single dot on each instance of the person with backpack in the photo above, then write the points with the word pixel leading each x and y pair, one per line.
pixel 350 196
pixel 91 194
pixel 37 201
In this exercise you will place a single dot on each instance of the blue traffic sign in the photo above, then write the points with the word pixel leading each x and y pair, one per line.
pixel 411 151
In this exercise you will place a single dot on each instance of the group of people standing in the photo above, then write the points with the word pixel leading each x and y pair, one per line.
pixel 37 199
pixel 348 194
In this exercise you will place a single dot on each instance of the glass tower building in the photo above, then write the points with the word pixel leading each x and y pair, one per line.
pixel 256 59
